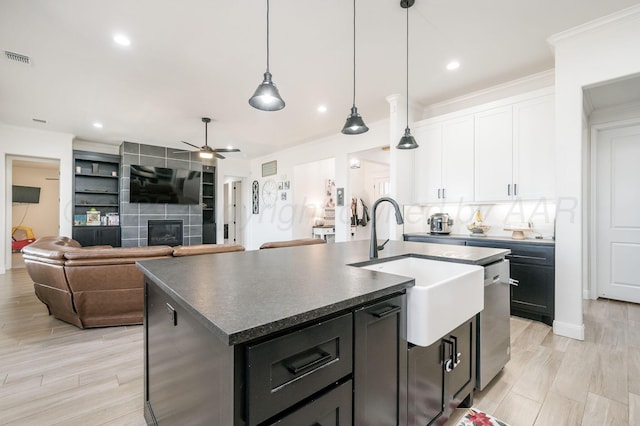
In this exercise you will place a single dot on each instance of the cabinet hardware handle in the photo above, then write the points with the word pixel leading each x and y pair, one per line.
pixel 513 282
pixel 443 193
pixel 509 190
pixel 303 363
pixel 438 193
pixel 450 363
pixel 515 189
pixel 384 311
pixel 455 356
pixel 520 256
pixel 496 279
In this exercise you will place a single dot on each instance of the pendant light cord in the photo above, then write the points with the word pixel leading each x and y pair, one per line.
pixel 354 53
pixel 407 67
pixel 267 35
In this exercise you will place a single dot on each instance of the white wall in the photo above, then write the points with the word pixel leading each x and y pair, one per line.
pixel 596 52
pixel 271 223
pixel 23 142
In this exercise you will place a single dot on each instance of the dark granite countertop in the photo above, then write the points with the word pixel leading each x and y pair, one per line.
pixel 547 241
pixel 241 296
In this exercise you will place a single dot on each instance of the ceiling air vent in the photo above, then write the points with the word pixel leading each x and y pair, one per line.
pixel 16 57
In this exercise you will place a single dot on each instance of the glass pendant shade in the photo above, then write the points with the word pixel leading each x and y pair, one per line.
pixel 266 96
pixel 354 124
pixel 407 141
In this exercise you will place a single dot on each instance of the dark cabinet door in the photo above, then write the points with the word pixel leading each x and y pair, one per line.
pixel 426 384
pixel 380 364
pixel 459 354
pixel 98 235
pixel 533 290
pixel 330 409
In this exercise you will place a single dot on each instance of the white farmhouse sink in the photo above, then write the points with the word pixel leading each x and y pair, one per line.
pixel 445 295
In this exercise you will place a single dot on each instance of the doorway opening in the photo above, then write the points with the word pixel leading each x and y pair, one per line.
pixel 613 227
pixel 369 179
pixel 233 211
pixel 36 215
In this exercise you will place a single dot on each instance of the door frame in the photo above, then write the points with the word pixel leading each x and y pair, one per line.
pixel 592 220
pixel 9 159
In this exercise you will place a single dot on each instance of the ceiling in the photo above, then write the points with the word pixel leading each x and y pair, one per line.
pixel 198 58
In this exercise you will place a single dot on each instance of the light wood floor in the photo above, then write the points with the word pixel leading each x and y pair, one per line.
pixel 52 373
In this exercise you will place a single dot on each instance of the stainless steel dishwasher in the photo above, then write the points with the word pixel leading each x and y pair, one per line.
pixel 494 337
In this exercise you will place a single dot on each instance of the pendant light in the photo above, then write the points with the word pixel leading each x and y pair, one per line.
pixel 266 96
pixel 407 141
pixel 354 124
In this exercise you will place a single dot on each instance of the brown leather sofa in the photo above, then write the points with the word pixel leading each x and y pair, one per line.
pixel 96 286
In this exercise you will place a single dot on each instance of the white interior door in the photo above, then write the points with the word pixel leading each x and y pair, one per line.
pixel 618 213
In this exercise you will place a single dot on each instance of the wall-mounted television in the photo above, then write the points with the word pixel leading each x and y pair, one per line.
pixel 25 194
pixel 162 185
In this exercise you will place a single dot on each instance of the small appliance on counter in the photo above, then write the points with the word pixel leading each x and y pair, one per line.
pixel 440 223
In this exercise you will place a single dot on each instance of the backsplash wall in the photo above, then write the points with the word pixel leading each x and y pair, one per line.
pixel 134 216
pixel 540 213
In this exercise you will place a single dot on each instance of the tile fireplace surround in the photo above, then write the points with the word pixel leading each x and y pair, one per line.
pixel 134 217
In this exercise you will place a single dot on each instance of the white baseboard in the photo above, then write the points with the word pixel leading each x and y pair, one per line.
pixel 573 331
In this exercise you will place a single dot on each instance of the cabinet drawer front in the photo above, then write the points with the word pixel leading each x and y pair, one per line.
pixel 287 369
pixel 330 409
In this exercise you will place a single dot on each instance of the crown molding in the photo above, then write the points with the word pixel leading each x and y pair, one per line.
pixel 629 13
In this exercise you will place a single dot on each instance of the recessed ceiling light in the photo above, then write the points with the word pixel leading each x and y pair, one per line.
pixel 97 125
pixel 322 108
pixel 453 65
pixel 122 40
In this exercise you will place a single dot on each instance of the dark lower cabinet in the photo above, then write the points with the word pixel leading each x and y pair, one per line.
pixel 97 235
pixel 532 272
pixel 380 366
pixel 442 376
pixel 330 409
pixel 349 368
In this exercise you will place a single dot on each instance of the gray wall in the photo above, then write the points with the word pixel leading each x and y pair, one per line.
pixel 134 216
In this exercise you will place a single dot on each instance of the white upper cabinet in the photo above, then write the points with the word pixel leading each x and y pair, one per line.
pixel 457 160
pixel 515 151
pixel 444 161
pixel 494 154
pixel 490 153
pixel 534 144
pixel 428 163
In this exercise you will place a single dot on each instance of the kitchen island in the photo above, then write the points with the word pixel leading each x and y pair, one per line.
pixel 278 336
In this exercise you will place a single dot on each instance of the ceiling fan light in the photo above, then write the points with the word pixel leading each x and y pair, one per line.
pixel 407 141
pixel 206 155
pixel 267 97
pixel 354 124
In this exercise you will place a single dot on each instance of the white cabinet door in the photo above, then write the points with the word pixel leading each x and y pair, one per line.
pixel 428 163
pixel 494 154
pixel 457 160
pixel 534 145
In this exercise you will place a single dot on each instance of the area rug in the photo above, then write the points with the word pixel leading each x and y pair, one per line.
pixel 475 417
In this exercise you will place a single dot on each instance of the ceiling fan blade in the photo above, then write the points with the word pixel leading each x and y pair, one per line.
pixel 222 157
pixel 226 150
pixel 195 146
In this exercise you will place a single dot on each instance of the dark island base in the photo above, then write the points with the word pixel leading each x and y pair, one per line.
pixel 533 316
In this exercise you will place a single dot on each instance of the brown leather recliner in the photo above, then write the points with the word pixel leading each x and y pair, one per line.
pixel 89 286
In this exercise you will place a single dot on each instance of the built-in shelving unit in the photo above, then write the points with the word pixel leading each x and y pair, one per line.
pixel 208 204
pixel 96 198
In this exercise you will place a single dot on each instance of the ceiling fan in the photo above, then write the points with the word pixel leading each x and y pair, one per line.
pixel 205 151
